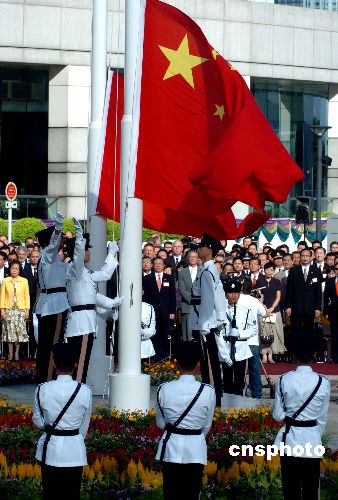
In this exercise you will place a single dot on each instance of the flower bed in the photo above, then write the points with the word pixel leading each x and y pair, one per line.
pixel 163 371
pixel 13 372
pixel 121 455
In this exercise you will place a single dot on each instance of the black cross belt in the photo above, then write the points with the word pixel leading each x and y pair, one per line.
pixel 53 290
pixel 83 307
pixel 182 432
pixel 60 432
pixel 292 422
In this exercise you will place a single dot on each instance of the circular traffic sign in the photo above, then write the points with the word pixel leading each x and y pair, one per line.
pixel 11 191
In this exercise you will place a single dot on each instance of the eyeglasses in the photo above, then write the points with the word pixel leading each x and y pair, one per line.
pixel 336 268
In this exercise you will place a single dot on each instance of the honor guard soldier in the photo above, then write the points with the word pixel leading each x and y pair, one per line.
pixel 185 409
pixel 52 303
pixel 241 324
pixel 83 297
pixel 148 330
pixel 301 403
pixel 62 408
pixel 208 312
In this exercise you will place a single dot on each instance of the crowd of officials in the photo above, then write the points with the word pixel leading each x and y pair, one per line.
pixel 230 309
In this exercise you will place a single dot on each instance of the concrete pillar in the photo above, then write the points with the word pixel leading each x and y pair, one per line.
pixel 68 119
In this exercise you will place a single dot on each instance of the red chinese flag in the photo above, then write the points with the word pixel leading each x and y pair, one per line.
pixel 192 123
pixel 155 216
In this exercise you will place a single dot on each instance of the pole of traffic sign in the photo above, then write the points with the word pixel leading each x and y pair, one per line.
pixel 10 223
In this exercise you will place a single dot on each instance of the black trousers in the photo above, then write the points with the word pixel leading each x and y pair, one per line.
pixel 47 338
pixel 302 325
pixel 210 365
pixel 160 339
pixel 83 344
pixel 300 478
pixel 61 482
pixel 233 377
pixel 334 336
pixel 182 481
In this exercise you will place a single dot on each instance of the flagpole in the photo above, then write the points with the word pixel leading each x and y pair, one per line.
pixel 129 389
pixel 99 362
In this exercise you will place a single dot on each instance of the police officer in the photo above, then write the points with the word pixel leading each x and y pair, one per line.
pixel 83 297
pixel 302 402
pixel 241 324
pixel 52 303
pixel 185 410
pixel 207 312
pixel 62 408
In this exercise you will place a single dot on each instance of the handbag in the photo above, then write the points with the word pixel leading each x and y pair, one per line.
pixel 266 336
pixel 271 319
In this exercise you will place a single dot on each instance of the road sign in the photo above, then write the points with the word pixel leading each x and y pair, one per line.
pixel 11 204
pixel 11 191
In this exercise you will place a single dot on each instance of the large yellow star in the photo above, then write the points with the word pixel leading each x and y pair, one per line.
pixel 219 111
pixel 214 53
pixel 181 61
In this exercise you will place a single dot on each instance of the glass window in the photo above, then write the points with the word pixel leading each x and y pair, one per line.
pixel 24 128
pixel 291 107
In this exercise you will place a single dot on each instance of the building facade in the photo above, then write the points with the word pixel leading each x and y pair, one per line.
pixel 286 50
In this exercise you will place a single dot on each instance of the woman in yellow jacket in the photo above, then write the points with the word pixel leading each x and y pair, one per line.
pixel 14 303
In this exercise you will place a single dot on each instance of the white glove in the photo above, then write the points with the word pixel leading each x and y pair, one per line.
pixel 78 228
pixel 115 314
pixel 117 302
pixel 59 220
pixel 113 248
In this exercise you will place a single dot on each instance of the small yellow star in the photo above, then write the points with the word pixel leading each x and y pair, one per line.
pixel 181 61
pixel 231 67
pixel 219 111
pixel 214 53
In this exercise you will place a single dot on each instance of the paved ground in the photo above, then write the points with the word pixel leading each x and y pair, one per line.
pixel 24 394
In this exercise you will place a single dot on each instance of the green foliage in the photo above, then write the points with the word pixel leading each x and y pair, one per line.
pixel 69 226
pixel 26 228
pixel 3 227
pixel 113 230
pixel 146 233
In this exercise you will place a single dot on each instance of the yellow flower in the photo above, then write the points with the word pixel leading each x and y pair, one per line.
pixel 210 469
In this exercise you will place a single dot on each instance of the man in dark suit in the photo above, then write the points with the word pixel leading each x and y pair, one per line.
pixel 30 272
pixel 177 256
pixel 159 291
pixel 3 268
pixel 303 297
pixel 331 311
pixel 186 277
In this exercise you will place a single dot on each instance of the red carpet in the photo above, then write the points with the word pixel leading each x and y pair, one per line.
pixel 280 368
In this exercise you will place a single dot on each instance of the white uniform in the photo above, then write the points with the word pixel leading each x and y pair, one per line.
pixel 51 274
pixel 297 386
pixel 246 327
pixel 211 311
pixel 148 330
pixel 258 310
pixel 81 290
pixel 63 451
pixel 174 398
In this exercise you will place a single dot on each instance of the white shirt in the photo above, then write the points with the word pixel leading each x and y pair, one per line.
pixel 307 269
pixel 297 386
pixel 174 398
pixel 52 274
pixel 81 290
pixel 2 274
pixel 258 310
pixel 63 451
pixel 247 327
pixel 148 330
pixel 193 272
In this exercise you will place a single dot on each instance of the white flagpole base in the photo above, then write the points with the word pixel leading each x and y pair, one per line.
pixel 129 392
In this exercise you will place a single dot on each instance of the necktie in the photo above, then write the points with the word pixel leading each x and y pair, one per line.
pixel 337 288
pixel 159 282
pixel 254 280
pixel 176 260
pixel 35 274
pixel 305 273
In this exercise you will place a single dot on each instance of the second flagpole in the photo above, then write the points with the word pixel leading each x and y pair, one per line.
pixel 129 388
